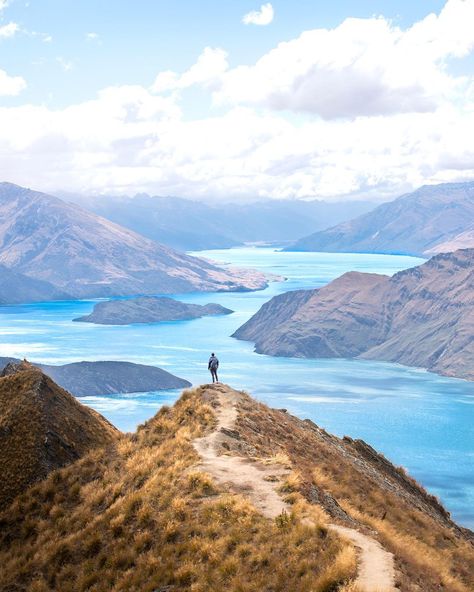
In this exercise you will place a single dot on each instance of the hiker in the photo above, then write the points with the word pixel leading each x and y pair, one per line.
pixel 212 366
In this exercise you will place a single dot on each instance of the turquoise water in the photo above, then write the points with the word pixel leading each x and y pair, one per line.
pixel 419 420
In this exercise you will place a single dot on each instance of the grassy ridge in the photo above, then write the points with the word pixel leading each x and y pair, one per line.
pixel 360 487
pixel 141 517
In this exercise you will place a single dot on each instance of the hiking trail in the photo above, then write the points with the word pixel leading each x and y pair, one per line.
pixel 375 572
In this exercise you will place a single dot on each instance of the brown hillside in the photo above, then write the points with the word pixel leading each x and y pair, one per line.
pixel 148 515
pixel 423 316
pixel 42 428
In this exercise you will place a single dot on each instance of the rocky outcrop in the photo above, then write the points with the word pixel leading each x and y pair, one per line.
pixel 419 223
pixel 42 428
pixel 149 309
pixel 422 317
pixel 84 255
pixel 104 378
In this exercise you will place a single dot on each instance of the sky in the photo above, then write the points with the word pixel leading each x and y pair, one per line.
pixel 227 100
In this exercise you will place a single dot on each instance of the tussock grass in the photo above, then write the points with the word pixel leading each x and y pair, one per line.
pixel 140 517
pixel 430 554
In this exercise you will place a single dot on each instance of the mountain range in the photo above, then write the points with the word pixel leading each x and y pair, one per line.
pixel 83 255
pixel 190 225
pixel 432 219
pixel 423 316
pixel 216 492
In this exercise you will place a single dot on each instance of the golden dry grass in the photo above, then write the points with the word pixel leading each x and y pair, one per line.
pixel 430 554
pixel 140 517
pixel 42 427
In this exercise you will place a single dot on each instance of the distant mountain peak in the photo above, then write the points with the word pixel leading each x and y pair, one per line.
pixel 85 255
pixel 417 223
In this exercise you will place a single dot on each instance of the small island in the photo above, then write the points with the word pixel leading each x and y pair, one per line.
pixel 149 309
pixel 106 377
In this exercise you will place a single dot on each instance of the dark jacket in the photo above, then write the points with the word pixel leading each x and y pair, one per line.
pixel 213 363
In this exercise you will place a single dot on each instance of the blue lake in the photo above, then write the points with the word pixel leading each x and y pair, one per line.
pixel 419 420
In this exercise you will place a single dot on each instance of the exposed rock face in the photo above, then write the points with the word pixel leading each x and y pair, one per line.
pixel 87 256
pixel 16 287
pixel 103 378
pixel 149 309
pixel 418 223
pixel 42 428
pixel 422 317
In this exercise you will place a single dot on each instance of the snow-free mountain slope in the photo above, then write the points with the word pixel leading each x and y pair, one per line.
pixel 414 224
pixel 423 316
pixel 87 256
pixel 191 225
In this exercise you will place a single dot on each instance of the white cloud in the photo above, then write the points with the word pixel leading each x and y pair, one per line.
pixel 66 65
pixel 3 5
pixel 362 67
pixel 11 85
pixel 92 36
pixel 130 138
pixel 262 17
pixel 9 30
pixel 210 65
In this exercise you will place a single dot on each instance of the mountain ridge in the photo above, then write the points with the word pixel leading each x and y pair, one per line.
pixel 422 316
pixel 191 226
pixel 146 514
pixel 413 224
pixel 85 255
pixel 42 428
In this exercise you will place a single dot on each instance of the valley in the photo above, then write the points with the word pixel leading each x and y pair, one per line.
pixel 396 409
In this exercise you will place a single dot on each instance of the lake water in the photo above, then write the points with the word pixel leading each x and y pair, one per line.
pixel 419 420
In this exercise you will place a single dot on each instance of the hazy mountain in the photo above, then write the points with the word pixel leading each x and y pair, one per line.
pixel 108 377
pixel 42 428
pixel 149 309
pixel 417 223
pixel 464 240
pixel 149 513
pixel 422 317
pixel 16 287
pixel 87 256
pixel 190 225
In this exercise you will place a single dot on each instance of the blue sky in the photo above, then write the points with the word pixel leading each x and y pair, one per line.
pixel 138 38
pixel 338 99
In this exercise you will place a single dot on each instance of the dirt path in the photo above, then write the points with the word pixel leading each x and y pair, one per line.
pixel 376 571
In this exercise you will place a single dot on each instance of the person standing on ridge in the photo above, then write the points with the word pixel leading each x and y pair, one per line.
pixel 212 367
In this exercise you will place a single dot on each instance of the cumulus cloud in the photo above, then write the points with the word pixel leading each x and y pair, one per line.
pixel 3 5
pixel 361 67
pixel 11 85
pixel 130 138
pixel 9 30
pixel 261 17
pixel 210 65
pixel 92 36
